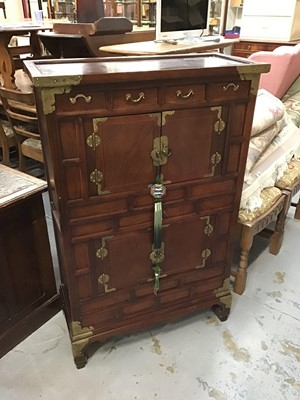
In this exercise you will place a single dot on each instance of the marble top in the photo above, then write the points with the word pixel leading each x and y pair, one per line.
pixel 16 185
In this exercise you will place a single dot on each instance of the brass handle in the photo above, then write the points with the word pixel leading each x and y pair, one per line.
pixel 141 97
pixel 233 85
pixel 87 99
pixel 185 96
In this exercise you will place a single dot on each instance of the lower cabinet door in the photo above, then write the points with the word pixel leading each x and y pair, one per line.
pixel 122 262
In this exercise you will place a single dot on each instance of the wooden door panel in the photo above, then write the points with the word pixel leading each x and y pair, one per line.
pixel 184 243
pixel 123 156
pixel 193 143
pixel 127 262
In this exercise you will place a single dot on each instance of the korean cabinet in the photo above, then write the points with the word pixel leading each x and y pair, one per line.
pixel 145 160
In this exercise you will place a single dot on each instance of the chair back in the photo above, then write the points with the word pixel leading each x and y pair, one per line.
pixel 2 6
pixel 21 113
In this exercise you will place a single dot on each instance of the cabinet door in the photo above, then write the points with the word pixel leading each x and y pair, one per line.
pixel 196 143
pixel 106 155
pixel 123 156
pixel 110 263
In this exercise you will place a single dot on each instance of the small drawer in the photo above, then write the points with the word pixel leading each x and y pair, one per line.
pixel 187 94
pixel 227 90
pixel 81 101
pixel 134 99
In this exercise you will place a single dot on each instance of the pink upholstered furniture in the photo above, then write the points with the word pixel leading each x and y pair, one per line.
pixel 285 65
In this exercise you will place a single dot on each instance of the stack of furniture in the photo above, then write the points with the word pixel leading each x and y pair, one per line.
pixel 266 25
pixel 271 20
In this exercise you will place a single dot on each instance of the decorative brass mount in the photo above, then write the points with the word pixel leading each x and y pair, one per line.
pixel 220 124
pixel 161 151
pixel 208 229
pixel 103 280
pixel 103 252
pixel 205 254
pixel 97 177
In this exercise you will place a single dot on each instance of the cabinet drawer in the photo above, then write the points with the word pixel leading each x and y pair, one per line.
pixel 134 99
pixel 184 94
pixel 80 101
pixel 227 90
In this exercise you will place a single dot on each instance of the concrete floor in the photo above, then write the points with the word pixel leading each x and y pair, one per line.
pixel 254 355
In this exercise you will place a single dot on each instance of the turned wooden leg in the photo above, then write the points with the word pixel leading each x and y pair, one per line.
pixel 245 245
pixel 277 237
pixel 297 211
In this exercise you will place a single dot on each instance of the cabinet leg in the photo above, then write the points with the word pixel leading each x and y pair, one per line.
pixel 221 311
pixel 81 360
pixel 80 354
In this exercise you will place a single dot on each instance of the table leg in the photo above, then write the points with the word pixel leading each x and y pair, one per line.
pixel 36 45
pixel 7 69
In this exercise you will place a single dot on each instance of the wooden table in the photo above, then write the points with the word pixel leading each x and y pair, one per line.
pixel 152 47
pixel 7 31
pixel 66 42
pixel 27 286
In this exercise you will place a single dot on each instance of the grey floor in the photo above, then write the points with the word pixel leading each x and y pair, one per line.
pixel 254 355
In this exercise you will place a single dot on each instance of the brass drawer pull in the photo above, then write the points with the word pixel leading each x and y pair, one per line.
pixel 185 96
pixel 87 99
pixel 233 85
pixel 141 97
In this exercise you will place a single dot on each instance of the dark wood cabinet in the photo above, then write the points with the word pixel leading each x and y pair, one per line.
pixel 244 48
pixel 145 159
pixel 28 295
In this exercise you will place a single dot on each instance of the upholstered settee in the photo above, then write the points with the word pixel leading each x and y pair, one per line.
pixel 272 174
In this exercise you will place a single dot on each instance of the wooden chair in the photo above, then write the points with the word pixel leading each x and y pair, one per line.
pixel 21 113
pixel 260 225
pixel 2 6
pixel 7 141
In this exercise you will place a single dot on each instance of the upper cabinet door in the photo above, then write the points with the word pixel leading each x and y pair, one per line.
pixel 123 156
pixel 195 143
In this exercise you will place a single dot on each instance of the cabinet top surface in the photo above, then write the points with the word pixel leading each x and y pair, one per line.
pixel 47 73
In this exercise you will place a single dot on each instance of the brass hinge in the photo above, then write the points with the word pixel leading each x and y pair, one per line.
pixel 103 280
pixel 97 177
pixel 219 126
